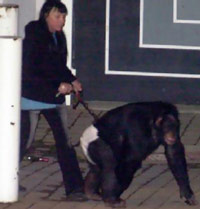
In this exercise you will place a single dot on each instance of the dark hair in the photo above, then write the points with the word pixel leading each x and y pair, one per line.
pixel 49 5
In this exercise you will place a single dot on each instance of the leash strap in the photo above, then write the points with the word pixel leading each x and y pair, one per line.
pixel 80 100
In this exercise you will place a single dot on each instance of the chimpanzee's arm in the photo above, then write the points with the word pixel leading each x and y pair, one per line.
pixel 175 155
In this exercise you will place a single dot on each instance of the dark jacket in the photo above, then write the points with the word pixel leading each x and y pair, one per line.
pixel 44 64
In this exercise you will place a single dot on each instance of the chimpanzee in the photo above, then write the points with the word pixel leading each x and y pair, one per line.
pixel 117 143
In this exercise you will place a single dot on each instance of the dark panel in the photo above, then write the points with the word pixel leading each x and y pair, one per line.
pixel 125 55
pixel 89 45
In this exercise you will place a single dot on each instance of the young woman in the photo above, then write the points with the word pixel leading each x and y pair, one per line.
pixel 44 75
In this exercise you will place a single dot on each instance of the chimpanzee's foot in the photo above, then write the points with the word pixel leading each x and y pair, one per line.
pixel 93 196
pixel 115 204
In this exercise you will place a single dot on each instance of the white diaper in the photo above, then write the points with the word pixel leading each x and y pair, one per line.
pixel 88 136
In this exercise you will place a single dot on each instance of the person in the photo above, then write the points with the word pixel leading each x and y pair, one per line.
pixel 45 82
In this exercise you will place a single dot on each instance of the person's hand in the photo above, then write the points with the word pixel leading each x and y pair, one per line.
pixel 65 88
pixel 77 87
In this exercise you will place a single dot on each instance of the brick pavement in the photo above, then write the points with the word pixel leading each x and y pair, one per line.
pixel 153 186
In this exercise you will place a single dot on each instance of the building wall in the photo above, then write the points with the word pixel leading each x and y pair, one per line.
pixel 135 50
pixel 138 50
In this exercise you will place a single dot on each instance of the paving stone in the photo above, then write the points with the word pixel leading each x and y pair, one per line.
pixel 44 205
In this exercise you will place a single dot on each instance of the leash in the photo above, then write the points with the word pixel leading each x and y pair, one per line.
pixel 79 97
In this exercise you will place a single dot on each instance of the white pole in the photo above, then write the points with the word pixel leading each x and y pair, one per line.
pixel 68 32
pixel 8 20
pixel 10 91
pixel 10 79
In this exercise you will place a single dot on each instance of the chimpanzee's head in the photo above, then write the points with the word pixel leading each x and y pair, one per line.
pixel 168 126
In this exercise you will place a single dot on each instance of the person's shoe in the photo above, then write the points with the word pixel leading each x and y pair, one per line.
pixel 76 197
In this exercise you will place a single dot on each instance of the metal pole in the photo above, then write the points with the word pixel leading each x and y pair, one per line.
pixel 10 91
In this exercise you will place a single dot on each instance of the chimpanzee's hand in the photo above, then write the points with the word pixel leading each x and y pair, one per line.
pixel 191 201
pixel 189 196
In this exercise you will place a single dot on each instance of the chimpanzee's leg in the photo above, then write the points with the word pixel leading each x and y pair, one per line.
pixel 125 173
pixel 175 155
pixel 92 183
pixel 102 155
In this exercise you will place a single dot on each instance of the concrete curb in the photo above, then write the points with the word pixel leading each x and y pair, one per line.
pixel 107 105
pixel 192 157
